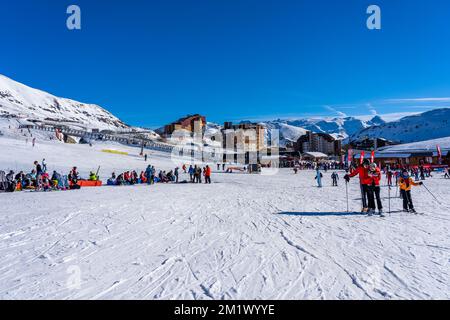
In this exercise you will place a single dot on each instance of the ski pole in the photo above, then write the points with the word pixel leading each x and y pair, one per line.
pixel 389 195
pixel 346 193
pixel 431 194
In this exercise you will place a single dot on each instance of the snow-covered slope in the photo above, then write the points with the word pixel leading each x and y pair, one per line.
pixel 428 145
pixel 425 126
pixel 22 101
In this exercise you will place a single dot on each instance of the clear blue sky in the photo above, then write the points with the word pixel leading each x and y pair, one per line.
pixel 149 62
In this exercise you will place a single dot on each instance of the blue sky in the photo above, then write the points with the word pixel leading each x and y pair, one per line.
pixel 149 62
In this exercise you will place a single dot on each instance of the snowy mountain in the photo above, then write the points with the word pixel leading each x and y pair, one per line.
pixel 19 100
pixel 425 126
pixel 291 130
pixel 340 128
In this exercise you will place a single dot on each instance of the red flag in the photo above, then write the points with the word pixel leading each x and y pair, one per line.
pixel 439 154
pixel 350 155
pixel 372 156
pixel 361 159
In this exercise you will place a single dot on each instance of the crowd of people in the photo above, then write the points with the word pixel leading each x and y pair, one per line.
pixel 151 176
pixel 41 180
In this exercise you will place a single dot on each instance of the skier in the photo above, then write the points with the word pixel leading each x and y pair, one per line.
pixel 364 182
pixel 145 157
pixel 422 173
pixel 335 178
pixel 33 142
pixel 374 190
pixel 389 175
pixel 447 173
pixel 319 177
pixel 218 166
pixel 184 168
pixel 405 183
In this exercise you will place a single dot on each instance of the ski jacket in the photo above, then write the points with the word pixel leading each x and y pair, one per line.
pixel 363 175
pixel 207 172
pixel 374 177
pixel 407 183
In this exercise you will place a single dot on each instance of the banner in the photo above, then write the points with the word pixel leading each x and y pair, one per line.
pixel 372 157
pixel 350 155
pixel 361 159
pixel 439 152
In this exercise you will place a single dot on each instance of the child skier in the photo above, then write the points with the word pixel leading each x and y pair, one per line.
pixel 406 182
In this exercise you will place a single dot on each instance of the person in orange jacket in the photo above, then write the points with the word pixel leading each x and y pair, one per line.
pixel 406 182
pixel 364 182
pixel 374 175
pixel 207 174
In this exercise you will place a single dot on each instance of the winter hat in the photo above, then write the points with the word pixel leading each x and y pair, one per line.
pixel 366 162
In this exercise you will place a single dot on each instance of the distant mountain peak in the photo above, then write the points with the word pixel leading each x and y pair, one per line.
pixel 376 121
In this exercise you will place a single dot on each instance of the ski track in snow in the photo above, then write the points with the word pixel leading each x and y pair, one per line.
pixel 242 237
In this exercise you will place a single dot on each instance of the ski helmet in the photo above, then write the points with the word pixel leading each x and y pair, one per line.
pixel 373 166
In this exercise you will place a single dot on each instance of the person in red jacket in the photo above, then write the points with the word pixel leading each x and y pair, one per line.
pixel 374 175
pixel 364 182
pixel 207 174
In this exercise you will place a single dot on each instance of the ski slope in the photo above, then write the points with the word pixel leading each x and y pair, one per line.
pixel 242 237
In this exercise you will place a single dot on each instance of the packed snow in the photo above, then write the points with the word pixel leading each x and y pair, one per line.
pixel 259 236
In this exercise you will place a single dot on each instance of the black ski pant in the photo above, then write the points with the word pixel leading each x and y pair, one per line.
pixel 335 182
pixel 207 179
pixel 364 194
pixel 374 195
pixel 407 200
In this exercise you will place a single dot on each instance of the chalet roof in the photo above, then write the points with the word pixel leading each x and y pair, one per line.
pixel 316 154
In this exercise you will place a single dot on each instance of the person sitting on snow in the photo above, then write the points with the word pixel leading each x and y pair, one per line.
pixel 92 176
pixel 56 178
pixel 74 175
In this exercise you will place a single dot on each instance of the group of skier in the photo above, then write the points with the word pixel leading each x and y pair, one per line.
pixel 370 177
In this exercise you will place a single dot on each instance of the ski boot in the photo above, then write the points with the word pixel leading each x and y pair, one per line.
pixel 364 210
pixel 381 213
pixel 370 212
pixel 413 211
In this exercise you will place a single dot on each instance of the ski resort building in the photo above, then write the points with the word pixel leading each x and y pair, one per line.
pixel 191 123
pixel 319 142
pixel 244 142
pixel 371 144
